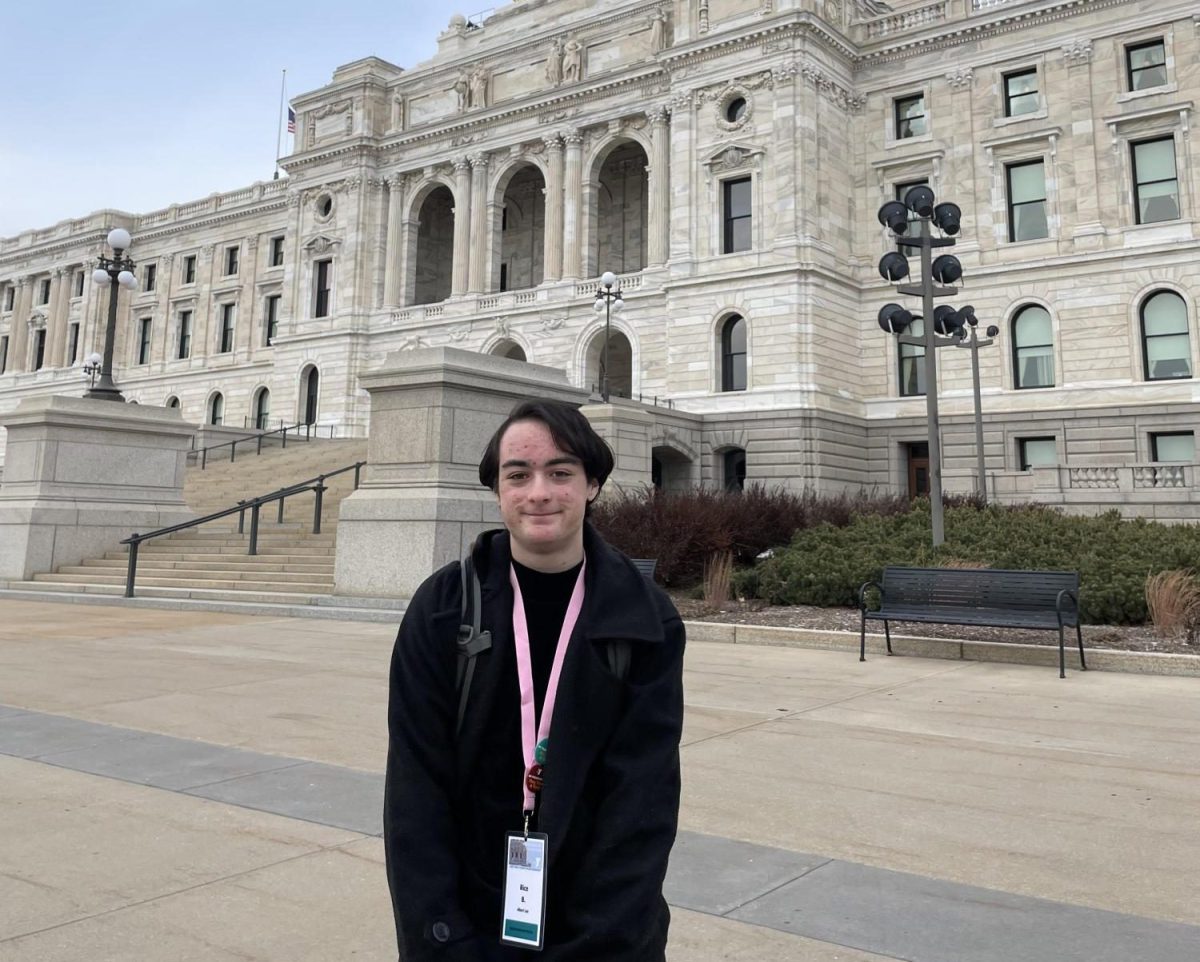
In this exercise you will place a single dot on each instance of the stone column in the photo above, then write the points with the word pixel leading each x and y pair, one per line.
pixel 20 325
pixel 247 331
pixel 462 227
pixel 60 300
pixel 203 323
pixel 80 475
pixel 292 299
pixel 572 204
pixel 420 504
pixel 552 259
pixel 684 200
pixel 393 265
pixel 480 233
pixel 659 221
pixel 1088 228
pixel 166 281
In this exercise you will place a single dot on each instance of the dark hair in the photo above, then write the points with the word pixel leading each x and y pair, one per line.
pixel 570 430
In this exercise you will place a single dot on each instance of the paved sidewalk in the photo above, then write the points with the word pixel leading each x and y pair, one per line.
pixel 205 786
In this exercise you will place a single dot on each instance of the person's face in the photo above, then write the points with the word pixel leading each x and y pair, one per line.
pixel 543 491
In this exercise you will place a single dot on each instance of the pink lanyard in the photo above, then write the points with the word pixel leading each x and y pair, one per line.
pixel 529 723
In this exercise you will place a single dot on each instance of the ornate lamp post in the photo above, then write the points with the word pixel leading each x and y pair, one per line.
pixel 117 268
pixel 610 302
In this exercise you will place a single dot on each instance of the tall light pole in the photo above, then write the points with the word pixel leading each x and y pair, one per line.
pixel 936 276
pixel 118 268
pixel 610 302
pixel 969 339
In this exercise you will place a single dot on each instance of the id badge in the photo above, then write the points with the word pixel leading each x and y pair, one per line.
pixel 524 920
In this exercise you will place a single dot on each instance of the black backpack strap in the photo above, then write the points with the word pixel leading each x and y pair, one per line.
pixel 618 654
pixel 471 641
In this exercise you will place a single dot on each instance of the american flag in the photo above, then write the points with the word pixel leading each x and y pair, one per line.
pixel 291 121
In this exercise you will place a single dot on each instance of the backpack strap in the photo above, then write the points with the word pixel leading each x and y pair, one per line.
pixel 471 641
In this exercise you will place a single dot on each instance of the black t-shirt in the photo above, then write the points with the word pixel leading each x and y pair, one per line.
pixel 494 785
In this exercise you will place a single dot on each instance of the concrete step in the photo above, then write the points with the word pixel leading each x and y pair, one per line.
pixel 379 611
pixel 225 563
pixel 324 586
pixel 188 575
pixel 185 552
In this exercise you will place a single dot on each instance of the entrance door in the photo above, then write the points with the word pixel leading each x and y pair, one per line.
pixel 918 469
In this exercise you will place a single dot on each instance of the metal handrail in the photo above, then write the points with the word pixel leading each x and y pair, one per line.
pixel 310 431
pixel 254 506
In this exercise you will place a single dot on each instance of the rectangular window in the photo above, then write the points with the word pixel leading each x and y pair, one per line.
pixel 3 353
pixel 1146 64
pixel 503 277
pixel 144 341
pixel 189 269
pixel 185 335
pixel 39 350
pixel 149 276
pixel 1155 181
pixel 79 283
pixel 324 272
pixel 1173 446
pixel 912 363
pixel 1035 452
pixel 902 190
pixel 231 261
pixel 1021 92
pixel 72 344
pixel 272 319
pixel 910 116
pixel 737 198
pixel 276 252
pixel 44 292
pixel 226 328
pixel 9 295
pixel 1027 201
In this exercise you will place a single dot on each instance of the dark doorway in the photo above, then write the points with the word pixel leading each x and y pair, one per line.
pixel 918 469
pixel 311 387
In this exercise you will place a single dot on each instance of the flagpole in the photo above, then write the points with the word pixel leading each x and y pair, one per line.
pixel 279 125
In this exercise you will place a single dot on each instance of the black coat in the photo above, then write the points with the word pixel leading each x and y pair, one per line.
pixel 611 801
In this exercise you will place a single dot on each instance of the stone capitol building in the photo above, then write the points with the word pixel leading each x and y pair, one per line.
pixel 726 160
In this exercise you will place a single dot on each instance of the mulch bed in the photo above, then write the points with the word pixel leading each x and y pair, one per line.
pixel 755 612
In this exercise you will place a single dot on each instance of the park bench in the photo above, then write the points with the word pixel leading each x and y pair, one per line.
pixel 646 566
pixel 976 596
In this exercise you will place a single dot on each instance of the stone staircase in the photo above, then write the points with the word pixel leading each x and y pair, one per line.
pixel 210 564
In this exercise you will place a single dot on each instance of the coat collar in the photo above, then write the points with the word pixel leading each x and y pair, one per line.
pixel 619 602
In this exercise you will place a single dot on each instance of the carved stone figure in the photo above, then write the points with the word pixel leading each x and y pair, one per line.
pixel 573 61
pixel 554 64
pixel 658 31
pixel 833 12
pixel 462 87
pixel 479 87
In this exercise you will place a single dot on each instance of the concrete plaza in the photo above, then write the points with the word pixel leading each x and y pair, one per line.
pixel 203 786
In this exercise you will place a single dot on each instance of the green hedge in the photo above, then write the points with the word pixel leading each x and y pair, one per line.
pixel 825 565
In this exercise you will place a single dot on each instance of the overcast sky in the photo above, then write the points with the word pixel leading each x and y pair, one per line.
pixel 140 104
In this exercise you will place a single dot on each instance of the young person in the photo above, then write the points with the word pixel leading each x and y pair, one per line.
pixel 566 763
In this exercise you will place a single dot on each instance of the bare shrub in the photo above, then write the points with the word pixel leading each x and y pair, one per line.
pixel 962 563
pixel 1173 600
pixel 718 571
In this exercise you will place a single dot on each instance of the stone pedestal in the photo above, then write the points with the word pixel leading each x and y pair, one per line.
pixel 628 432
pixel 81 475
pixel 420 504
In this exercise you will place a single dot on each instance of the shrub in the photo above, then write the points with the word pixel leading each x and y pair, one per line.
pixel 717 571
pixel 683 529
pixel 825 565
pixel 1173 600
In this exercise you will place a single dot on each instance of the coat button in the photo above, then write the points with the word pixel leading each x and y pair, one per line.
pixel 441 931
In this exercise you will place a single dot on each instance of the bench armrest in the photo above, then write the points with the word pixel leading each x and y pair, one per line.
pixel 862 594
pixel 1058 604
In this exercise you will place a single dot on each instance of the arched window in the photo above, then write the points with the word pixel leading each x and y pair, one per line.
pixel 312 387
pixel 216 409
pixel 1033 348
pixel 912 363
pixel 262 408
pixel 733 474
pixel 1166 345
pixel 509 349
pixel 172 402
pixel 733 354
